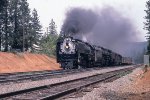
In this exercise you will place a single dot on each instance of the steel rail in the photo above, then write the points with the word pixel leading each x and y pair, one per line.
pixel 40 75
pixel 59 94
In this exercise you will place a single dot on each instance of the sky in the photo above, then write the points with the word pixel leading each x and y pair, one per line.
pixel 56 9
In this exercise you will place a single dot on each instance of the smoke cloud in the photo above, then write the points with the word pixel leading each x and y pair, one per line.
pixel 79 21
pixel 104 27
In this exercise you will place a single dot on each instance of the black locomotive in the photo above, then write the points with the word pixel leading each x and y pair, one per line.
pixel 73 53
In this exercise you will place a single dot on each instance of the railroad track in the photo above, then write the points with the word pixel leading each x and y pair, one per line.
pixel 39 75
pixel 54 91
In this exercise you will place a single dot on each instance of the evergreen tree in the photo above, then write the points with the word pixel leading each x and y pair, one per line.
pixel 1 30
pixel 18 29
pixel 48 44
pixel 52 27
pixel 48 41
pixel 1 26
pixel 20 17
pixel 2 20
pixel 5 26
pixel 147 24
pixel 35 34
pixel 15 24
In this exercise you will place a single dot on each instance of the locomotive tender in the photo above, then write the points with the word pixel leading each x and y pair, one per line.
pixel 73 53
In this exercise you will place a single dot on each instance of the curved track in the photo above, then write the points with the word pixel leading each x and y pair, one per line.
pixel 53 91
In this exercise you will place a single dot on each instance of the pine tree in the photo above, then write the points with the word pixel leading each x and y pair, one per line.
pixel 52 28
pixel 20 17
pixel 48 41
pixel 5 26
pixel 18 29
pixel 147 24
pixel 15 24
pixel 48 44
pixel 1 31
pixel 1 26
pixel 35 34
pixel 2 21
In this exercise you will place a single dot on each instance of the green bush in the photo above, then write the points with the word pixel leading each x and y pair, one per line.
pixel 48 44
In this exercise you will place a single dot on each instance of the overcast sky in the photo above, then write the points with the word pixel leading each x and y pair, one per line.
pixel 56 9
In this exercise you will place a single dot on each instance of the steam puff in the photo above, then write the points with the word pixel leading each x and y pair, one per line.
pixel 105 27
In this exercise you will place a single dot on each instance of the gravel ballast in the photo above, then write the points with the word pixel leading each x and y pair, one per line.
pixel 22 86
pixel 124 88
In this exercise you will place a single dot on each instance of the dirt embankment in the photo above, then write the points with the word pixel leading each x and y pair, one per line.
pixel 24 62
pixel 142 80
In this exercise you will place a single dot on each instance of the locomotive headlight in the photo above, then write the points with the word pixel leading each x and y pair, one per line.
pixel 68 47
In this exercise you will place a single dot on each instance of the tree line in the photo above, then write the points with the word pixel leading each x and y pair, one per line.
pixel 20 29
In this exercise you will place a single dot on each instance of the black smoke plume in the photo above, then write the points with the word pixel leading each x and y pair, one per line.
pixel 79 21
pixel 104 27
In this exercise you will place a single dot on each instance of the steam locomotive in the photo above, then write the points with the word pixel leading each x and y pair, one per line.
pixel 74 53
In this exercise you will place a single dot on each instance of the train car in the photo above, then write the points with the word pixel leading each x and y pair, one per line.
pixel 98 55
pixel 106 57
pixel 113 58
pixel 126 61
